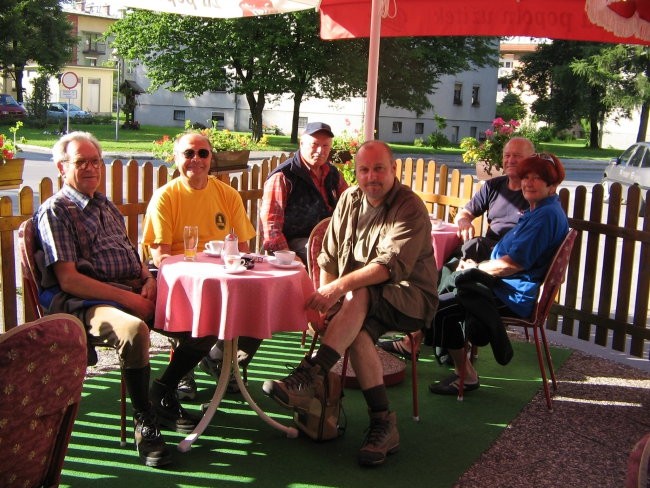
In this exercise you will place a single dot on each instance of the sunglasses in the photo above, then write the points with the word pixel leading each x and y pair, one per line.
pixel 545 157
pixel 202 153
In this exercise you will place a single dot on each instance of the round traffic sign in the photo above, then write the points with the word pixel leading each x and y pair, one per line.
pixel 69 80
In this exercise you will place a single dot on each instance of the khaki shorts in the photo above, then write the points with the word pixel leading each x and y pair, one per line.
pixel 383 317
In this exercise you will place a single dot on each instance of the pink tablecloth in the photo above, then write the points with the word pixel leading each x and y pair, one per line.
pixel 444 241
pixel 202 298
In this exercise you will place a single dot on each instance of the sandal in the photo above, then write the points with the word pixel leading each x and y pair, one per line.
pixel 400 347
pixel 451 385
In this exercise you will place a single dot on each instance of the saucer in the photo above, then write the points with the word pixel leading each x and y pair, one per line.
pixel 212 254
pixel 237 270
pixel 274 262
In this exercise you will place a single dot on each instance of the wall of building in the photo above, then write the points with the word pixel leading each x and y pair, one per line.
pixel 463 120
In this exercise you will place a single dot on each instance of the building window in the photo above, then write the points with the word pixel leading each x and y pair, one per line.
pixel 472 132
pixel 93 44
pixel 458 93
pixel 397 127
pixel 454 133
pixel 475 100
pixel 419 127
pixel 218 120
pixel 302 122
pixel 179 115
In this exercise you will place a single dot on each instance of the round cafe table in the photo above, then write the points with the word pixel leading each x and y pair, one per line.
pixel 201 297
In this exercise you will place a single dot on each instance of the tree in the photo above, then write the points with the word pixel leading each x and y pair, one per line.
pixel 37 103
pixel 195 55
pixel 33 30
pixel 272 55
pixel 410 68
pixel 511 107
pixel 583 80
pixel 622 70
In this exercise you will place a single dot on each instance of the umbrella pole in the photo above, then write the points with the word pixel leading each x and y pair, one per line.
pixel 373 69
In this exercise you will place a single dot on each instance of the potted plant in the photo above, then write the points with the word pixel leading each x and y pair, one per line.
pixel 344 147
pixel 231 150
pixel 487 154
pixel 11 168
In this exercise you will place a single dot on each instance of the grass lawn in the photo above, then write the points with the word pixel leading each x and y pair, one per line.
pixel 141 140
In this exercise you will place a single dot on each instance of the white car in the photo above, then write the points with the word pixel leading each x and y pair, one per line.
pixel 630 168
pixel 58 111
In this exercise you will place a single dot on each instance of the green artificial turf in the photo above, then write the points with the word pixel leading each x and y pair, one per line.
pixel 239 450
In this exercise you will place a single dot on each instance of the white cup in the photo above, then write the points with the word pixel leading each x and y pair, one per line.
pixel 215 247
pixel 284 256
pixel 232 261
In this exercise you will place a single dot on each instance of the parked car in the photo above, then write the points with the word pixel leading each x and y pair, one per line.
pixel 630 168
pixel 10 108
pixel 59 111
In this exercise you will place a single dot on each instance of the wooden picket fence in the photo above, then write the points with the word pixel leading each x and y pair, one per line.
pixel 604 300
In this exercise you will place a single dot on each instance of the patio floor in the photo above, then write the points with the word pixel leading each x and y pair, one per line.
pixel 601 409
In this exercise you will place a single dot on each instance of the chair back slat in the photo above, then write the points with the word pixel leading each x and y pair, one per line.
pixel 31 276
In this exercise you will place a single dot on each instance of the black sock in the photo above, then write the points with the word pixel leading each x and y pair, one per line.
pixel 181 364
pixel 326 357
pixel 376 398
pixel 137 385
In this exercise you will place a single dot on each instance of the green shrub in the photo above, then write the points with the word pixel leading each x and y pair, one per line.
pixel 437 140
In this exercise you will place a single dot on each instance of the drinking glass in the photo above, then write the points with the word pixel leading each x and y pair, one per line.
pixel 190 241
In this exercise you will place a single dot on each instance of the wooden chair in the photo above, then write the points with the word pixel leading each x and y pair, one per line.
pixel 548 292
pixel 31 281
pixel 42 368
pixel 314 245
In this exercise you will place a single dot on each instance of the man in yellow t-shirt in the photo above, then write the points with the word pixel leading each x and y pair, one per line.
pixel 196 198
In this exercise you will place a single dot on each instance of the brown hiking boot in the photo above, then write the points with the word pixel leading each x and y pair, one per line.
pixel 149 441
pixel 382 439
pixel 296 390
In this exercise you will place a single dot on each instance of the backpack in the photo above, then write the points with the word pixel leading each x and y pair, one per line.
pixel 324 419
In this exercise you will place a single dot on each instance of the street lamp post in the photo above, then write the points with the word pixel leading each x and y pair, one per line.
pixel 117 98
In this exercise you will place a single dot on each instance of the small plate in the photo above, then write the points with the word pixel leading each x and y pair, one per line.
pixel 212 254
pixel 274 262
pixel 237 270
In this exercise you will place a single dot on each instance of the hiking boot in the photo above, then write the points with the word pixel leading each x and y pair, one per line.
pixel 213 368
pixel 296 390
pixel 149 441
pixel 382 439
pixel 169 411
pixel 186 389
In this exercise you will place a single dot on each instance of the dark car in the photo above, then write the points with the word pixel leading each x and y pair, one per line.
pixel 629 169
pixel 10 109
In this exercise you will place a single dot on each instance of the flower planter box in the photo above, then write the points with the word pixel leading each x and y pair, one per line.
pixel 223 161
pixel 11 173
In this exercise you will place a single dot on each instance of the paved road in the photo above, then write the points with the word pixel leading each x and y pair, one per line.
pixel 38 165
